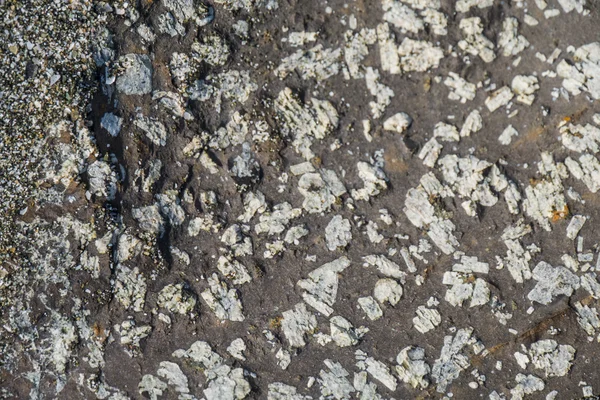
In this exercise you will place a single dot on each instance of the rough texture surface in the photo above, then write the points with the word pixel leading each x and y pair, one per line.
pixel 285 199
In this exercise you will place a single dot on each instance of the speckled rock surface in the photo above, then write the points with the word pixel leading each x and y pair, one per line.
pixel 284 199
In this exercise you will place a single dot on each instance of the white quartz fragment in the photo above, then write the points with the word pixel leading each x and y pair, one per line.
pixel 410 264
pixel 146 33
pixel 401 16
pixel 223 381
pixel 281 391
pixel 297 39
pixel 419 55
pixel 176 299
pixel 170 207
pixel 509 40
pixel 149 218
pixel 373 233
pixel 552 282
pixel 131 335
pixel 570 5
pixel 517 259
pixel 475 42
pixel 338 233
pixel 237 348
pixel 130 288
pixel 254 202
pixel 525 86
pixel 552 358
pixel 473 123
pixel 575 226
pixel 546 197
pixel 507 134
pixel 460 89
pixel 315 63
pixel 136 78
pixel 522 359
pixel 388 50
pixel 430 152
pixel 174 376
pixel 529 20
pixel 302 168
pixel 469 265
pixel 356 49
pixel 587 318
pixel 237 241
pixel 499 98
pixel 446 132
pixel 155 130
pixel 463 289
pixel 465 175
pixel 343 332
pixel 370 307
pixel 233 270
pixel 111 123
pixel 284 358
pixel 173 102
pixel 296 323
pixel 224 302
pixel 102 180
pixel 426 319
pixel 383 94
pixel 295 233
pixel 320 190
pixel 398 122
pixel 587 170
pixel 374 179
pixel 464 6
pixel 230 85
pixel 412 367
pixel 322 284
pixel 388 290
pixel 452 360
pixel 590 284
pixel 422 214
pixel 275 221
pixel 305 124
pixel 526 384
pixel 376 369
pixel 151 385
pixel 385 266
pixel 582 75
pixel 580 138
pixel 334 384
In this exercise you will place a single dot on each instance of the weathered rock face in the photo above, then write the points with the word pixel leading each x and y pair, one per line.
pixel 244 199
pixel 137 77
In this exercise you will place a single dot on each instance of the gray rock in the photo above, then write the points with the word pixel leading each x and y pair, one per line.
pixel 111 123
pixel 137 78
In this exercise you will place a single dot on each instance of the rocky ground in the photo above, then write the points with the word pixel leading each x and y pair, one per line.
pixel 299 199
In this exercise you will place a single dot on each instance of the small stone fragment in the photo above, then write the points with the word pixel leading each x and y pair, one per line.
pixel 370 307
pixel 322 284
pixel 412 367
pixel 552 282
pixel 137 76
pixel 174 298
pixel 296 323
pixel 506 136
pixel 499 98
pixel 224 302
pixel 338 233
pixel 575 226
pixel 388 290
pixel 398 122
